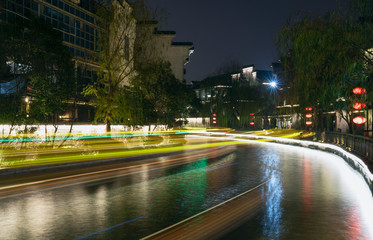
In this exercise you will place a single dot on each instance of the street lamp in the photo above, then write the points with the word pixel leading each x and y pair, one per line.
pixel 273 84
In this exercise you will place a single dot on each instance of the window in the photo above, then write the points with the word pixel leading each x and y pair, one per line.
pixel 66 37
pixel 27 3
pixel 66 8
pixel 34 6
pixel 47 11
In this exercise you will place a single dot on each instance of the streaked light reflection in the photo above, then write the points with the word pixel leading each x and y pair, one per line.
pixel 273 195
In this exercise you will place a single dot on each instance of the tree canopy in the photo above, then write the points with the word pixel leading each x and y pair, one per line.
pixel 35 63
pixel 318 54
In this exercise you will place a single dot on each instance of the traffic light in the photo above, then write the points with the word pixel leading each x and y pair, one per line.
pixel 358 104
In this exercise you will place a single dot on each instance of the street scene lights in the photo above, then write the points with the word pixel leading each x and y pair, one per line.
pixel 273 84
pixel 359 91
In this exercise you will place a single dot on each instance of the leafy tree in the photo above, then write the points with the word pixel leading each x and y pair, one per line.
pixel 117 51
pixel 35 58
pixel 317 53
pixel 233 102
pixel 160 97
pixel 115 42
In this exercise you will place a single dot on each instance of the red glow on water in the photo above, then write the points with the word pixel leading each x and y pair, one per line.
pixel 359 120
pixel 359 105
pixel 309 115
pixel 359 90
pixel 307 186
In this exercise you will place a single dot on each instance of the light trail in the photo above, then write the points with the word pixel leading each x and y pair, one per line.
pixel 302 143
pixel 117 154
pixel 109 172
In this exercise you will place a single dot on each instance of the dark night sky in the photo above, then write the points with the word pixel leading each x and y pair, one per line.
pixel 240 30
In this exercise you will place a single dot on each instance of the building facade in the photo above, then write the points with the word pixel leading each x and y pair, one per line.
pixel 159 45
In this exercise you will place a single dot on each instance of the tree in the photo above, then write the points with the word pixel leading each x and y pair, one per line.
pixel 36 64
pixel 317 53
pixel 160 97
pixel 233 100
pixel 117 52
pixel 116 59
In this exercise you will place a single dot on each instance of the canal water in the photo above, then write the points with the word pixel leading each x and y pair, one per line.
pixel 309 195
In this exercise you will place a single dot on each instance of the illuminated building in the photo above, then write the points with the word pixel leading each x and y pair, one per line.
pixel 159 45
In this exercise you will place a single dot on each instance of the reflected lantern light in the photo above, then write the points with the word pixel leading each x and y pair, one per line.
pixel 309 115
pixel 359 90
pixel 359 120
pixel 308 122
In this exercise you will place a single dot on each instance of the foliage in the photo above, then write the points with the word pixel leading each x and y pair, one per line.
pixel 117 51
pixel 233 100
pixel 158 95
pixel 34 59
pixel 318 53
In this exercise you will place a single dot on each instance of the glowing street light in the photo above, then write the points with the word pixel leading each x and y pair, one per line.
pixel 273 84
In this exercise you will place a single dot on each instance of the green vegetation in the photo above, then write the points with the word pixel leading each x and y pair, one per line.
pixel 37 70
pixel 324 58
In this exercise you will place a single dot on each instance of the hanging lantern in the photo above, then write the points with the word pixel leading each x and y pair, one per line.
pixel 359 90
pixel 214 118
pixel 251 114
pixel 308 123
pixel 359 120
pixel 309 115
pixel 308 109
pixel 359 105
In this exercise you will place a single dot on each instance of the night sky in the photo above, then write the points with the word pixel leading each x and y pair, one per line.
pixel 239 30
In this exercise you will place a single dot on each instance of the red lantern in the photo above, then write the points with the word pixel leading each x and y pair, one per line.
pixel 252 123
pixel 359 105
pixel 359 90
pixel 251 114
pixel 308 122
pixel 214 118
pixel 359 120
pixel 308 109
pixel 309 115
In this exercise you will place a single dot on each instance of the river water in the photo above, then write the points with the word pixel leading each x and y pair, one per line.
pixel 309 195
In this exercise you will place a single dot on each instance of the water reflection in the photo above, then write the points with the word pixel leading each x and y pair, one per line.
pixel 310 195
pixel 273 194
